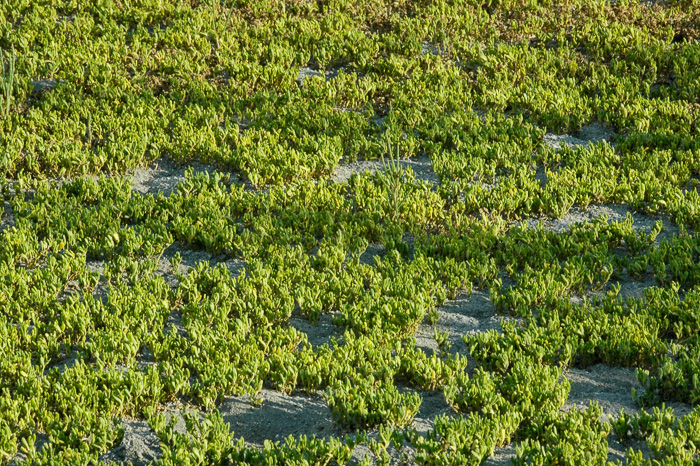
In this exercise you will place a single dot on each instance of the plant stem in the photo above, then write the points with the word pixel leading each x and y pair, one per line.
pixel 7 82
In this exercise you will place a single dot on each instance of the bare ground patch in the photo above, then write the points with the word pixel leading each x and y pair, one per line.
pixel 421 166
pixel 615 213
pixel 139 446
pixel 590 134
pixel 320 333
pixel 611 387
pixel 278 417
pixel 191 258
pixel 164 176
pixel 465 315
pixel 7 218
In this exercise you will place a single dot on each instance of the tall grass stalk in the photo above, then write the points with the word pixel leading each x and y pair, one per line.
pixel 392 177
pixel 7 80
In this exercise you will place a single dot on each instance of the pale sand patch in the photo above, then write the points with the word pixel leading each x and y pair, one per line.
pixel 306 72
pixel 277 417
pixel 140 445
pixel 373 251
pixel 44 85
pixel 590 134
pixel 7 217
pixel 280 416
pixel 502 456
pixel 464 315
pixel 164 176
pixel 421 167
pixel 615 213
pixel 320 333
pixel 611 387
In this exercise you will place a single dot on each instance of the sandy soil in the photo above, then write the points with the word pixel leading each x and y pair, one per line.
pixel 7 217
pixel 164 175
pixel 278 416
pixel 321 333
pixel 611 388
pixel 421 167
pixel 615 213
pixel 589 134
pixel 45 85
pixel 465 315
pixel 139 445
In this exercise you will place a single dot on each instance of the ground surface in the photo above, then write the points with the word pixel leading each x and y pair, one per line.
pixel 350 232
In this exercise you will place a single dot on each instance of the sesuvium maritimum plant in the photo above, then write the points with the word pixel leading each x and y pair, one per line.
pixel 7 79
pixel 219 334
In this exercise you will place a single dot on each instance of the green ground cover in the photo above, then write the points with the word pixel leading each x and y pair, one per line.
pixel 92 332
